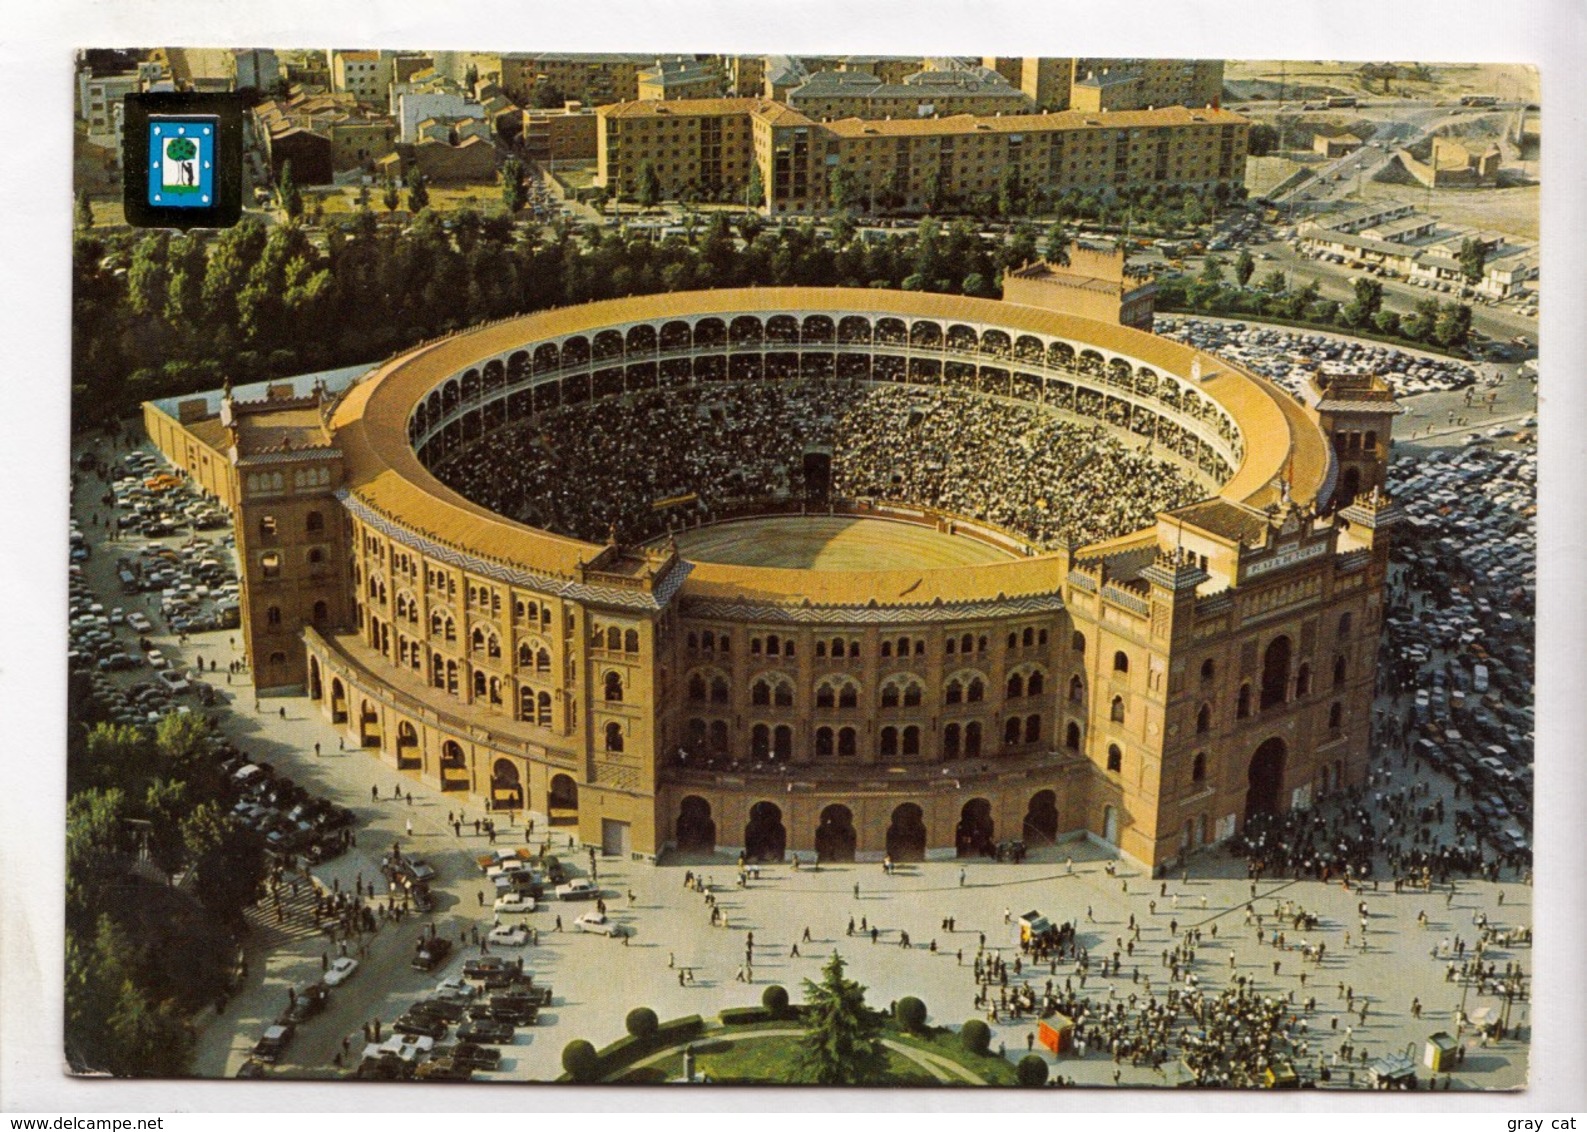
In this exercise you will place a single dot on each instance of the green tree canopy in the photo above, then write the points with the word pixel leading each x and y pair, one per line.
pixel 842 1042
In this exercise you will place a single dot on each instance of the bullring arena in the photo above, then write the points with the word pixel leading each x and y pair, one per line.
pixel 845 573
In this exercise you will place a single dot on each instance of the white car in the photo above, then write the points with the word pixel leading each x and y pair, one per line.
pixel 515 902
pixel 175 681
pixel 340 971
pixel 140 623
pixel 504 936
pixel 599 924
pixel 156 659
pixel 455 989
pixel 579 889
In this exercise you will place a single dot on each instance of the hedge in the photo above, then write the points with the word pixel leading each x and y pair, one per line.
pixel 581 1061
pixel 745 1015
pixel 910 1012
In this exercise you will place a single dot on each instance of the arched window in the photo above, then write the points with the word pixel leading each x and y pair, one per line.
pixel 1275 673
pixel 696 688
pixel 479 685
pixel 824 696
pixel 1033 729
pixel 1336 715
pixel 719 691
pixel 773 645
pixel 1344 625
pixel 614 688
pixel 1242 707
pixel 837 648
pixel 614 639
pixel 273 615
pixel 966 643
pixel 1072 736
pixel 890 696
pixel 760 693
pixel 631 640
pixel 1116 711
pixel 1203 719
pixel 1121 663
pixel 1198 767
pixel 1028 637
pixel 614 737
pixel 543 709
pixel 912 693
pixel 972 739
pixel 953 693
pixel 1011 731
pixel 1115 758
pixel 1013 641
pixel 848 747
pixel 1339 672
pixel 1208 669
pixel 821 650
pixel 313 522
pixel 848 696
pixel 950 646
pixel 1078 643
pixel 887 648
pixel 1303 680
pixel 823 742
pixel 1077 690
pixel 976 691
pixel 1016 687
pixel 760 741
pixel 888 747
pixel 1035 685
pixel 321 611
pixel 950 741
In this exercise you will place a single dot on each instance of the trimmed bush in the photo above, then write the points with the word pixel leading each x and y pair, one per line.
pixel 642 1022
pixel 910 1012
pixel 680 1028
pixel 775 999
pixel 744 1015
pixel 976 1036
pixel 580 1060
pixel 1031 1071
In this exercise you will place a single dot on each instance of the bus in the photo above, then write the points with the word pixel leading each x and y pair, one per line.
pixel 1479 100
pixel 1340 102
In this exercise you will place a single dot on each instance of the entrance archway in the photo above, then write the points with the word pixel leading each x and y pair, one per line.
pixel 1110 825
pixel 906 835
pixel 454 767
pixel 1265 778
pixel 1350 487
pixel 1041 818
pixel 338 701
pixel 368 725
pixel 408 756
pixel 973 837
pixel 315 690
pixel 835 836
pixel 695 832
pixel 506 788
pixel 562 801
pixel 765 839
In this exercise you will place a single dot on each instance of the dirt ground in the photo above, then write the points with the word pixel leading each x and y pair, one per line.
pixel 1512 211
pixel 835 543
pixel 1446 80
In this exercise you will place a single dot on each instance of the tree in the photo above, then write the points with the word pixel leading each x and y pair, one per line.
pixel 547 97
pixel 1452 325
pixel 1369 293
pixel 1387 322
pixel 842 1042
pixel 755 190
pixel 580 1060
pixel 1473 258
pixel 389 195
pixel 910 1012
pixel 164 805
pixel 1275 282
pixel 642 1022
pixel 1244 268
pixel 84 213
pixel 1055 248
pixel 841 189
pixel 513 192
pixel 1212 270
pixel 976 1036
pixel 1031 1071
pixel 287 192
pixel 418 191
pixel 649 192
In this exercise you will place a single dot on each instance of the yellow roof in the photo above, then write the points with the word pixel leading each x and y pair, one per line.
pixel 1033 123
pixel 370 426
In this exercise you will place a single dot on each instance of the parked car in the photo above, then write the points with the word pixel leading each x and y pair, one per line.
pixel 578 889
pixel 424 1025
pixel 455 989
pixel 476 1056
pixel 598 923
pixel 514 902
pixel 481 966
pixel 431 953
pixel 485 1031
pixel 273 1043
pixel 514 936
